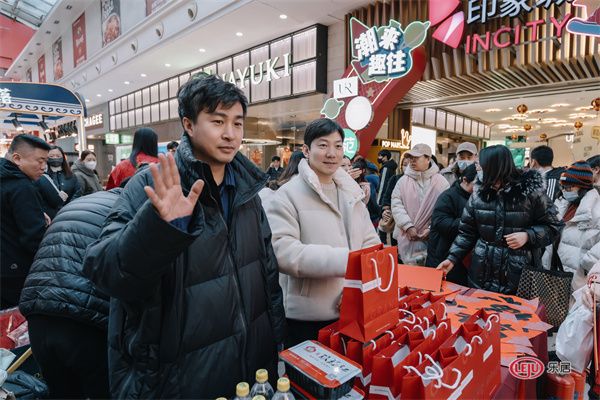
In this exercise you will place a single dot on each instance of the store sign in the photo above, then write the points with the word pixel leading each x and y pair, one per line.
pixel 402 144
pixel 589 27
pixel 596 132
pixel 126 139
pixel 93 121
pixel 345 87
pixel 351 143
pixel 266 70
pixel 111 138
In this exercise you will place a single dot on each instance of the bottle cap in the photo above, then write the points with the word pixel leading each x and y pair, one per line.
pixel 259 397
pixel 283 385
pixel 242 389
pixel 221 398
pixel 262 375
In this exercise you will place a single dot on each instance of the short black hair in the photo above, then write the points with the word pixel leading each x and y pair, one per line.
pixel 594 161
pixel 26 140
pixel 204 92
pixel 319 128
pixel 385 153
pixel 275 158
pixel 543 155
pixel 469 173
pixel 172 145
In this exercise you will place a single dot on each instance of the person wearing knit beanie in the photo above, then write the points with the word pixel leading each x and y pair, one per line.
pixel 579 209
pixel 579 175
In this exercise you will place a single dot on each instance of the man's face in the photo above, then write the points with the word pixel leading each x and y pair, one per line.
pixel 325 154
pixel 596 172
pixel 216 137
pixel 381 159
pixel 419 164
pixel 31 161
pixel 276 164
pixel 467 156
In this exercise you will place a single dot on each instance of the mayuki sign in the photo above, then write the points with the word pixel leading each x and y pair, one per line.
pixel 239 76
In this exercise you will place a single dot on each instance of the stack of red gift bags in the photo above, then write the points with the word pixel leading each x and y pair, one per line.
pixel 403 340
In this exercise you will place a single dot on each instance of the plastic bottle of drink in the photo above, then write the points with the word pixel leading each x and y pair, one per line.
pixel 262 386
pixel 242 391
pixel 283 390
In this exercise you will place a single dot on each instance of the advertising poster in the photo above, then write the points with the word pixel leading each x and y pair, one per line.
pixel 42 69
pixel 79 44
pixel 57 59
pixel 111 20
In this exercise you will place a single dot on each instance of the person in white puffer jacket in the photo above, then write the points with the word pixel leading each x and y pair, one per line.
pixel 579 208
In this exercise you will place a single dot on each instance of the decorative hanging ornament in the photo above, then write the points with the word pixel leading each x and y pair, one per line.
pixel 543 136
pixel 596 104
pixel 527 127
pixel 578 125
pixel 522 108
pixel 514 136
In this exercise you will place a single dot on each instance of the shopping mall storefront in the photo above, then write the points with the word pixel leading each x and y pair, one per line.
pixel 484 60
pixel 281 78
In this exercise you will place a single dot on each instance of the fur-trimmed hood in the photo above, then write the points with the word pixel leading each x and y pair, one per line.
pixel 529 182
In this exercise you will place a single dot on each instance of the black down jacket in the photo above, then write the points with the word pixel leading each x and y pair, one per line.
pixel 192 313
pixel 444 229
pixel 489 215
pixel 55 285
pixel 51 201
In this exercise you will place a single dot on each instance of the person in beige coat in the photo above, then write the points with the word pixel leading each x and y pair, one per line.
pixel 316 219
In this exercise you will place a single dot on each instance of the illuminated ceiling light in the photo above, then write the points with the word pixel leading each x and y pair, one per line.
pixel 142 75
pixel 98 95
pixel 87 100
pixel 239 34
pixel 110 90
pixel 126 82
pixel 283 16
pixel 167 65
pixel 202 50
pixel 585 108
pixel 558 105
pixel 493 110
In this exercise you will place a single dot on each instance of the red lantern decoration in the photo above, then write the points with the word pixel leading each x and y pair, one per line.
pixel 578 125
pixel 514 136
pixel 522 108
pixel 527 127
pixel 543 136
pixel 596 104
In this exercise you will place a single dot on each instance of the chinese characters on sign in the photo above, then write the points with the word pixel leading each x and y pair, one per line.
pixel 531 367
pixel 385 51
pixel 483 10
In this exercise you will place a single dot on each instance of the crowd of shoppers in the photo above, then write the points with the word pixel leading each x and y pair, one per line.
pixel 202 267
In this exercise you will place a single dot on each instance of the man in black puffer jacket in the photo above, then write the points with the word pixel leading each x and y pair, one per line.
pixel 186 257
pixel 67 315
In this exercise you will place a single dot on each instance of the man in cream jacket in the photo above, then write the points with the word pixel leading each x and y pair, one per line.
pixel 316 219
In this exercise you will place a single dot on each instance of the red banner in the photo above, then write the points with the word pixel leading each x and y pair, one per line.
pixel 42 69
pixel 57 59
pixel 79 44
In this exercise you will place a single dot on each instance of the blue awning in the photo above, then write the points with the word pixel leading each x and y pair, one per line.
pixel 39 98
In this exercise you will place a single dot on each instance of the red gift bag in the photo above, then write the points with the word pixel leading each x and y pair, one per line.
pixel 12 327
pixel 370 298
pixel 363 354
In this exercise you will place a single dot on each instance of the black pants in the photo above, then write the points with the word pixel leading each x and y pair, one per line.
pixel 73 357
pixel 299 331
pixel 383 236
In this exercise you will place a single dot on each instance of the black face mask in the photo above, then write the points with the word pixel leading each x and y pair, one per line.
pixel 380 160
pixel 55 162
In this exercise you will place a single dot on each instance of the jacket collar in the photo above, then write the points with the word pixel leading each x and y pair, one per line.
pixel 527 183
pixel 460 190
pixel 341 178
pixel 586 205
pixel 249 180
pixel 10 170
pixel 422 175
pixel 81 167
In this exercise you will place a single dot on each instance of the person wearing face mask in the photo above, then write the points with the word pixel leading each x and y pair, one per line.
pixel 507 222
pixel 84 170
pixel 445 221
pixel 58 186
pixel 316 219
pixel 466 153
pixel 595 164
pixel 579 209
pixel 412 204
pixel 541 160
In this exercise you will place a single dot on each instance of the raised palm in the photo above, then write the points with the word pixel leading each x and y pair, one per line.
pixel 167 196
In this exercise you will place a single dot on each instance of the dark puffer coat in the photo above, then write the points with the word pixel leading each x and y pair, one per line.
pixel 55 285
pixel 489 216
pixel 51 201
pixel 445 221
pixel 192 313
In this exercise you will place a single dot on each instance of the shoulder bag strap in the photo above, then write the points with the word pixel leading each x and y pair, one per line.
pixel 51 182
pixel 556 263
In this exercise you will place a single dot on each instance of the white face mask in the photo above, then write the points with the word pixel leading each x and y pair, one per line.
pixel 463 164
pixel 570 196
pixel 90 164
